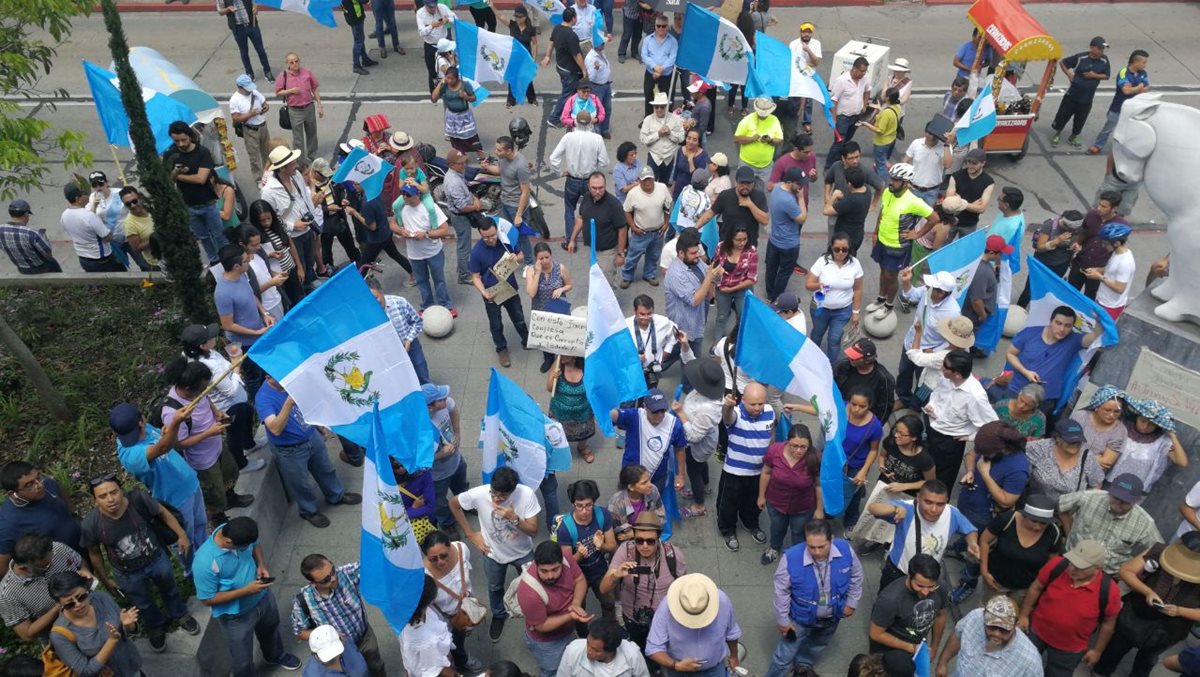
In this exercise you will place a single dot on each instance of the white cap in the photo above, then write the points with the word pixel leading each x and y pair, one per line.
pixel 325 643
pixel 943 280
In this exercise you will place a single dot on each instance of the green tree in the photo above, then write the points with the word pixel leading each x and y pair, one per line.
pixel 180 252
pixel 30 32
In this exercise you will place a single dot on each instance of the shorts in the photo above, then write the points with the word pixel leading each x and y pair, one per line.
pixel 889 258
pixel 216 481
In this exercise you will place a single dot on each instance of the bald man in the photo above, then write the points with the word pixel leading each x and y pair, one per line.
pixel 460 203
pixel 578 154
pixel 750 424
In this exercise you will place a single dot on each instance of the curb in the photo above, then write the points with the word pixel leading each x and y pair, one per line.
pixel 204 6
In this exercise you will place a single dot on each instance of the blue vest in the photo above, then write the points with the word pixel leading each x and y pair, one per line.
pixel 806 590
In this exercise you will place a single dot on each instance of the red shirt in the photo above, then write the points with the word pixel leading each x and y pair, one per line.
pixel 786 161
pixel 1065 616
pixel 561 595
pixel 791 490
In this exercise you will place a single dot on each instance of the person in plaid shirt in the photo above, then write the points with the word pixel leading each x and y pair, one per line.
pixel 332 597
pixel 28 249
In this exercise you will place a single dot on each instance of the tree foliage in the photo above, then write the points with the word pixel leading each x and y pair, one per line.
pixel 30 32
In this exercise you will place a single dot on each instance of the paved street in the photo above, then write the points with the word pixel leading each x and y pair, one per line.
pixel 1053 180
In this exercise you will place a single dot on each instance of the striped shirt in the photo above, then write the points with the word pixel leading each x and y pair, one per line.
pixel 749 437
pixel 27 248
pixel 343 609
pixel 25 598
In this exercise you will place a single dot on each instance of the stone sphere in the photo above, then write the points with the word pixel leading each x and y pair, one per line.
pixel 1015 322
pixel 880 328
pixel 438 323
pixel 579 311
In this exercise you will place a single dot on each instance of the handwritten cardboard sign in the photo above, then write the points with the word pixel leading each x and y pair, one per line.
pixel 558 334
pixel 1174 386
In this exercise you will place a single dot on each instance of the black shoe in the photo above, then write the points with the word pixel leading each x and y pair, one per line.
pixel 547 362
pixel 759 537
pixel 238 500
pixel 620 58
pixel 372 35
pixel 361 71
pixel 158 640
pixel 496 629
pixel 350 498
pixel 189 625
pixel 316 519
pixel 383 52
pixel 977 353
pixel 370 62
pixel 270 76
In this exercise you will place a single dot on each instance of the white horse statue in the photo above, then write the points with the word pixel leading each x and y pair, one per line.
pixel 1158 144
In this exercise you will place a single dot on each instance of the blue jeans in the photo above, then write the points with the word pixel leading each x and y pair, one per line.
pixel 509 213
pixel 245 36
pixel 262 621
pixel 970 575
pixel 604 93
pixel 136 585
pixel 929 196
pixel 834 321
pixel 462 245
pixel 1110 123
pixel 572 191
pixel 780 263
pixel 297 462
pixel 781 524
pixel 549 489
pixel 718 670
pixel 416 354
pixel 495 572
pixel 854 497
pixel 195 524
pixel 569 81
pixel 548 653
pixel 358 53
pixel 648 245
pixel 882 155
pixel 432 268
pixel 803 651
pixel 205 222
pixel 442 489
pixel 385 22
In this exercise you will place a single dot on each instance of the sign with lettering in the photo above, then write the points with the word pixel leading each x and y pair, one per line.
pixel 1170 384
pixel 558 334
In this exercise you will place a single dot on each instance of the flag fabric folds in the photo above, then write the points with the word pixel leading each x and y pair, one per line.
pixel 921 661
pixel 484 56
pixel 366 169
pixel 1047 291
pixel 338 356
pixel 320 11
pixel 510 235
pixel 776 353
pixel 987 337
pixel 980 118
pixel 712 46
pixel 960 258
pixel 392 573
pixel 514 432
pixel 161 110
pixel 797 81
pixel 550 10
pixel 612 371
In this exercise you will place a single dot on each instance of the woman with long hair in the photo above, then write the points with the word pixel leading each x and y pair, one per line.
pixel 738 257
pixel 426 642
pixel 861 446
pixel 547 282
pixel 266 272
pixel 457 96
pixel 691 156
pixel 449 563
pixel 92 634
pixel 836 282
pixel 904 466
pixel 789 488
pixel 636 495
pixel 569 404
pixel 283 251
pixel 226 203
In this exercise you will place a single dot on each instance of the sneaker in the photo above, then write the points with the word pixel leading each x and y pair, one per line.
pixel 759 536
pixel 624 284
pixel 270 76
pixel 496 629
pixel 189 625
pixel 254 465
pixel 158 640
pixel 238 500
pixel 731 542
pixel 370 62
pixel 874 305
pixel 1054 140
pixel 882 312
pixel 361 71
pixel 350 498
pixel 769 556
pixel 504 359
pixel 465 280
pixel 1075 142
pixel 800 270
pixel 963 591
pixel 316 519
pixel 551 122
pixel 288 662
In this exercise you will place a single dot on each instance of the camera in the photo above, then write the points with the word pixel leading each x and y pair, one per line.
pixel 643 616
pixel 652 373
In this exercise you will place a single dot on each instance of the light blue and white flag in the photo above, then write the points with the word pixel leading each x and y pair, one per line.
pixel 772 80
pixel 338 356
pixel 921 661
pixel 710 238
pixel 598 37
pixel 1012 229
pixel 1047 291
pixel 713 48
pixel 481 93
pixel 320 11
pixel 161 110
pixel 980 118
pixel 612 371
pixel 550 10
pixel 366 169
pixel 960 258
pixel 510 235
pixel 484 56
pixel 776 353
pixel 392 573
pixel 514 432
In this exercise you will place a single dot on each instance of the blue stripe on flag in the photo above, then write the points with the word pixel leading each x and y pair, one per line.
pixel 772 60
pixel 987 337
pixel 959 258
pixel 698 42
pixel 612 370
pixel 320 11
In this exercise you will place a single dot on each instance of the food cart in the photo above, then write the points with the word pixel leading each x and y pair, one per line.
pixel 1020 39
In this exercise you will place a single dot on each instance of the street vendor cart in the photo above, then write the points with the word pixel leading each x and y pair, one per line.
pixel 1020 39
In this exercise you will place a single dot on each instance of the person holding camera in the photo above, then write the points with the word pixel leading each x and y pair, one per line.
pixel 650 432
pixel 655 336
pixel 641 571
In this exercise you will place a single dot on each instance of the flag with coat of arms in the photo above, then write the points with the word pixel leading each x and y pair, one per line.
pixel 366 169
pixel 713 48
pixel 516 433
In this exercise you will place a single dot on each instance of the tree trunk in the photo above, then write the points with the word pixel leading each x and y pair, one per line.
pixel 33 369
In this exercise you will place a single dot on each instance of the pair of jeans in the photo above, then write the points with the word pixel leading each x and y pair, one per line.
pixel 832 321
pixel 195 524
pixel 261 621
pixel 462 244
pixel 385 22
pixel 108 264
pixel 495 572
pixel 205 223
pixel 1075 109
pixel 455 484
pixel 928 196
pixel 136 585
pixel 569 81
pixel 882 155
pixel 846 125
pixel 719 670
pixel 549 489
pixel 547 654
pixel 432 269
pixel 304 130
pixel 782 523
pixel 697 472
pixel 306 247
pixel 631 36
pixel 648 245
pixel 779 265
pixel 358 53
pixel 906 376
pixel 297 462
pixel 737 497
pixel 1058 663
pixel 416 355
pixel 509 213
pixel 727 304
pixel 573 190
pixel 245 36
pixel 604 93
pixel 372 250
pixel 431 64
pixel 239 436
pixel 515 315
pixel 803 650
pixel 605 8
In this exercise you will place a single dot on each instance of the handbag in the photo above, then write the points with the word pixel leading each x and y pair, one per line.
pixel 285 121
pixel 470 611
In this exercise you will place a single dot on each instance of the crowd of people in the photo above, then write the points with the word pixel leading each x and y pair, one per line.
pixel 999 473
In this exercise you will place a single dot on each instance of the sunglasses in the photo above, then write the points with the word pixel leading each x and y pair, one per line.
pixel 645 541
pixel 841 250
pixel 106 477
pixel 75 601
pixel 131 203
pixel 328 579
pixel 439 558
pixel 660 25
pixel 98 183
pixel 998 629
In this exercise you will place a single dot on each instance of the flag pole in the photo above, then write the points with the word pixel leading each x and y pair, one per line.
pixel 922 259
pixel 117 161
pixel 237 362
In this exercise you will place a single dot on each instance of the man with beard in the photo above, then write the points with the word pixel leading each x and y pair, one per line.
pixel 808 48
pixel 906 610
pixel 1111 516
pixel 743 206
pixel 551 596
pixel 987 642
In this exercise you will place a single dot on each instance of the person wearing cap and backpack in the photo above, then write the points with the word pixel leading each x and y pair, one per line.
pixel 641 572
pixel 28 249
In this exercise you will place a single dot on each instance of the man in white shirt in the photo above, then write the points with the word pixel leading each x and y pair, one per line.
pixel 433 24
pixel 603 653
pixel 653 336
pixel 662 133
pixel 957 408
pixel 808 48
pixel 930 158
pixel 425 249
pixel 585 20
pixel 90 237
pixel 599 73
pixel 578 154
pixel 850 92
pixel 248 107
pixel 935 302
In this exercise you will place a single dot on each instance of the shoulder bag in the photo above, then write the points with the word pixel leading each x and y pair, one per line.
pixel 470 611
pixel 285 121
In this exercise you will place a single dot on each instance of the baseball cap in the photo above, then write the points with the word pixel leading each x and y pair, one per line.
pixel 719 159
pixel 1039 508
pixel 976 155
pixel 646 172
pixel 1068 431
pixel 794 175
pixel 325 643
pixel 125 420
pixel 996 243
pixel 246 82
pixel 19 207
pixel 1127 487
pixel 943 280
pixel 698 87
pixel 434 392
pixel 1000 611
pixel 410 191
pixel 446 45
pixel 196 334
pixel 787 301
pixel 862 348
pixel 744 174
pixel 430 3
pixel 72 192
pixel 1087 554
pixel 656 401
pixel 1098 42
pixel 97 177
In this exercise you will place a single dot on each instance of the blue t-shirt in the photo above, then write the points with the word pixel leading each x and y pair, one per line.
pixel 375 213
pixel 959 524
pixel 237 298
pixel 269 402
pixel 1127 77
pixel 784 208
pixel 170 479
pixel 353 663
pixel 1011 472
pixel 1048 360
pixel 48 517
pixel 648 447
pixel 484 257
pixel 966 54
pixel 595 564
pixel 215 570
pixel 857 442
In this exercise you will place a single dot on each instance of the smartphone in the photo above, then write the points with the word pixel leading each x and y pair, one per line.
pixel 640 570
pixel 267 579
pixel 1157 605
pixel 791 635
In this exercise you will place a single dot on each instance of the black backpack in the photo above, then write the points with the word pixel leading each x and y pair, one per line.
pixel 156 417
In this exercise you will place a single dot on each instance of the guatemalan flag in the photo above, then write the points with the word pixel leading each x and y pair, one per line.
pixel 960 258
pixel 320 11
pixel 612 371
pixel 713 48
pixel 798 80
pixel 1047 291
pixel 1012 229
pixel 980 118
pixel 484 56
pixel 392 572
pixel 161 110
pixel 922 666
pixel 776 353
pixel 551 10
pixel 515 433
pixel 338 356
pixel 366 169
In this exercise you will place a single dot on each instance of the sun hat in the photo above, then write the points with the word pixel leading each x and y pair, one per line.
pixel 958 331
pixel 764 105
pixel 282 157
pixel 648 520
pixel 693 601
pixel 900 64
pixel 660 99
pixel 943 280
pixel 401 141
pixel 1181 559
pixel 706 377
pixel 1153 411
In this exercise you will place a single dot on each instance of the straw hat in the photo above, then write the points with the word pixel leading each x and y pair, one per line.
pixel 764 105
pixel 282 157
pixel 660 99
pixel 900 64
pixel 401 141
pixel 958 331
pixel 693 601
pixel 1181 559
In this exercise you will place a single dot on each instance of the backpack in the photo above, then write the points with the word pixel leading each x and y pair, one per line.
pixel 568 520
pixel 1104 581
pixel 511 603
pixel 156 415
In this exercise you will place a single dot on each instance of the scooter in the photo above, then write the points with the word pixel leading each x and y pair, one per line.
pixel 482 185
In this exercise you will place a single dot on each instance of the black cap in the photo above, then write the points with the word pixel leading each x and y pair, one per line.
pixel 197 334
pixel 1098 42
pixel 794 175
pixel 860 349
pixel 744 175
pixel 19 207
pixel 97 177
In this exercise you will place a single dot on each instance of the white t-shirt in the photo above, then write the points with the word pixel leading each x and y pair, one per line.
pixel 417 218
pixel 837 282
pixel 928 169
pixel 444 602
pixel 1120 268
pixel 262 272
pixel 508 543
pixel 241 104
pixel 87 233
pixel 649 209
pixel 1193 501
pixel 797 48
pixel 654 441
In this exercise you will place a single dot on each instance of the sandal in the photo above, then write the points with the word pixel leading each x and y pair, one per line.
pixel 588 457
pixel 692 512
pixel 686 492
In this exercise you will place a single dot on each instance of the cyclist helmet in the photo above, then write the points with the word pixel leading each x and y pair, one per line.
pixel 518 129
pixel 1115 231
pixel 902 171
